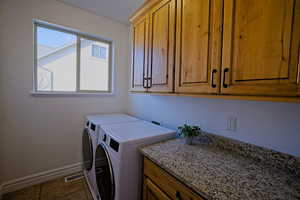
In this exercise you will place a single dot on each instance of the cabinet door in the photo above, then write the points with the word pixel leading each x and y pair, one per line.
pixel 167 183
pixel 161 47
pixel 139 55
pixel 198 47
pixel 152 192
pixel 261 47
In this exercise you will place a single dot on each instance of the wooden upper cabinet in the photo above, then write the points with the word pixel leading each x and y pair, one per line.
pixel 227 47
pixel 161 46
pixel 261 43
pixel 198 48
pixel 139 54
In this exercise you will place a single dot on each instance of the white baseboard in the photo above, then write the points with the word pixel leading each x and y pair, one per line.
pixel 16 184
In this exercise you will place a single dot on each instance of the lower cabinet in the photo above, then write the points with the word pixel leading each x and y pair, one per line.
pixel 160 185
pixel 152 192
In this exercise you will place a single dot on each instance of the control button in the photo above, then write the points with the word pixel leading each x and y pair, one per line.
pixel 104 137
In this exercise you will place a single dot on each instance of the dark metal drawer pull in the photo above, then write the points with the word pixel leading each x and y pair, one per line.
pixel 178 196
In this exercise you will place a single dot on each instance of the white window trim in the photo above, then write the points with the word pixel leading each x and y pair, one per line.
pixel 79 35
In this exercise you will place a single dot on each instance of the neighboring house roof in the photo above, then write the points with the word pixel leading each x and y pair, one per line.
pixel 47 52
pixel 57 53
pixel 48 55
pixel 44 49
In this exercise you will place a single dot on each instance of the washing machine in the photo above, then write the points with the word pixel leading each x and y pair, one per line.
pixel 90 136
pixel 118 162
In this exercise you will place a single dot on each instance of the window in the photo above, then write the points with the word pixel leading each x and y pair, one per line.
pixel 99 52
pixel 63 61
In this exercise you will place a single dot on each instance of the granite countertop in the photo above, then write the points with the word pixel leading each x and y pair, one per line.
pixel 219 173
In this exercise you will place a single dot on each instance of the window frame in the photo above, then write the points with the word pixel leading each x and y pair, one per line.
pixel 78 35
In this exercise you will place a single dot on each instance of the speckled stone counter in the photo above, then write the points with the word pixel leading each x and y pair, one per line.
pixel 228 169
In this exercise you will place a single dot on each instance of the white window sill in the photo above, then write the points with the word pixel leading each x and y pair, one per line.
pixel 71 94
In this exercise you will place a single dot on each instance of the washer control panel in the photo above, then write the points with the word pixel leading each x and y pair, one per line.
pixel 104 138
pixel 114 144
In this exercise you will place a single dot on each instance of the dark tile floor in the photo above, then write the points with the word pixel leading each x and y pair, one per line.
pixel 56 189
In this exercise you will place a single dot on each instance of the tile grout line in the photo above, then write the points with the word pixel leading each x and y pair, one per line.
pixel 86 190
pixel 40 192
pixel 86 194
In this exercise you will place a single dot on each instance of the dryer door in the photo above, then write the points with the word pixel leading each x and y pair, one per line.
pixel 87 150
pixel 104 174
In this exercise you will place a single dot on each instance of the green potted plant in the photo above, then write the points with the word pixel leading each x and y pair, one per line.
pixel 189 132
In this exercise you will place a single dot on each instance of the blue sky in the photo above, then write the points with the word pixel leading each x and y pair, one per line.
pixel 53 38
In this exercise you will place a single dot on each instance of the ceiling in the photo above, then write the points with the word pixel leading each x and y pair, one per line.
pixel 119 10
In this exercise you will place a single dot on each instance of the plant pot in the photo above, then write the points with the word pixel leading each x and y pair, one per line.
pixel 188 140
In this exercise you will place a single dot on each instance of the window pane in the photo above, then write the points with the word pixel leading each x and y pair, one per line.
pixel 95 51
pixel 94 67
pixel 103 52
pixel 56 60
pixel 99 51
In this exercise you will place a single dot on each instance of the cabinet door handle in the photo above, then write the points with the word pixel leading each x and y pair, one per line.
pixel 178 196
pixel 298 78
pixel 213 77
pixel 145 82
pixel 225 85
pixel 149 82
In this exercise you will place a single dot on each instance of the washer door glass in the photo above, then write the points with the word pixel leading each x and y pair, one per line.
pixel 104 174
pixel 87 150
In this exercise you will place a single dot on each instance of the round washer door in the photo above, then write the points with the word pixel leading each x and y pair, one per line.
pixel 87 150
pixel 104 174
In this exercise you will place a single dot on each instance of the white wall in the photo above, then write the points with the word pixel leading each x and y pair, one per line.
pixel 43 133
pixel 1 116
pixel 273 125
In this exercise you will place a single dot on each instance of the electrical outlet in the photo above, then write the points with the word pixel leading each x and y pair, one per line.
pixel 231 124
pixel 156 123
pixel 159 123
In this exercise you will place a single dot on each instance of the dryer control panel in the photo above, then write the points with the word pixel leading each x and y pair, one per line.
pixel 114 144
pixel 109 141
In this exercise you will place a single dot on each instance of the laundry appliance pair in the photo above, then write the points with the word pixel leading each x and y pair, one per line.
pixel 112 162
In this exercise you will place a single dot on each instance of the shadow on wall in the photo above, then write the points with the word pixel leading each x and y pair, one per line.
pixel 273 125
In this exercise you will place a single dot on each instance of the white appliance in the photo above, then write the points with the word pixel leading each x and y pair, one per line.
pixel 90 140
pixel 118 161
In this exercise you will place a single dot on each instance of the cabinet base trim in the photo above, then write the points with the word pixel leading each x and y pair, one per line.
pixel 226 97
